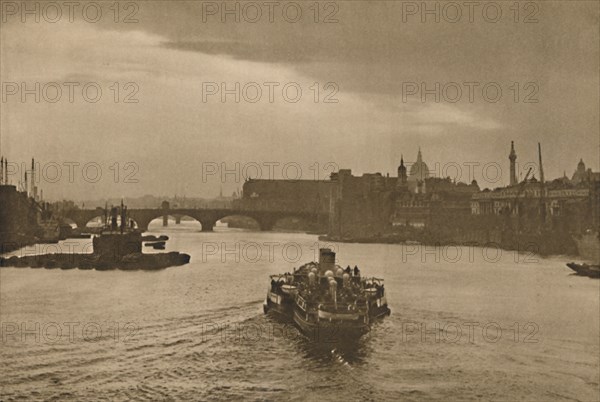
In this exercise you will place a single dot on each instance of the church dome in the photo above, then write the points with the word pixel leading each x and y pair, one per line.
pixel 579 174
pixel 419 170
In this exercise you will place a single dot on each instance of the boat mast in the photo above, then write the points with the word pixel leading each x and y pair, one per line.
pixel 516 200
pixel 542 190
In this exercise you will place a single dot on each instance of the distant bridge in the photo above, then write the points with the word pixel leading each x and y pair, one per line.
pixel 207 217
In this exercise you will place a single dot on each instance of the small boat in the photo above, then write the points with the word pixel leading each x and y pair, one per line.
pixel 155 244
pixel 592 271
pixel 326 302
pixel 280 297
pixel 155 238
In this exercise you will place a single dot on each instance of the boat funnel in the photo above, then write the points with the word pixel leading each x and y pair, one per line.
pixel 326 260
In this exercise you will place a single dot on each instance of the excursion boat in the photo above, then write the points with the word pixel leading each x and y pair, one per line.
pixel 327 301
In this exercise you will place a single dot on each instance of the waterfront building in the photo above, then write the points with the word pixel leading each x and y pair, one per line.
pixel 286 195
pixel 533 205
pixel 373 204
pixel 19 217
pixel 24 217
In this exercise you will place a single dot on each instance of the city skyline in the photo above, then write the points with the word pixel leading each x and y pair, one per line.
pixel 230 178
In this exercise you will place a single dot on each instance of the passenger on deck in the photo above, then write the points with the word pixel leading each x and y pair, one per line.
pixel 356 271
pixel 348 269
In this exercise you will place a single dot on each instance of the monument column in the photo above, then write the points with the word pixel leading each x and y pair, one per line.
pixel 513 169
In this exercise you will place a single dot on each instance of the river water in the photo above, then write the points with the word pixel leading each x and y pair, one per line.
pixel 466 324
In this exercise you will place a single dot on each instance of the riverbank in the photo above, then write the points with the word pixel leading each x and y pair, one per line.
pixel 14 241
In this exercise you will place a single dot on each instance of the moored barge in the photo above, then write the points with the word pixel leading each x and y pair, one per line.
pixel 592 271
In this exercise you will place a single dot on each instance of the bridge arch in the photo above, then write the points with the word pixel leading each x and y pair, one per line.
pixel 69 221
pixel 174 218
pixel 95 221
pixel 266 220
pixel 239 221
pixel 292 222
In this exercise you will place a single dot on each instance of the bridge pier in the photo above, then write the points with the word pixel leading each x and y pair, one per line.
pixel 266 224
pixel 207 225
pixel 178 219
pixel 81 223
pixel 165 207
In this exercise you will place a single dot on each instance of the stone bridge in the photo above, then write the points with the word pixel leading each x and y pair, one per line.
pixel 207 217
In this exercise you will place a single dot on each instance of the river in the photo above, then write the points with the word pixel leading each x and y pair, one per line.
pixel 466 324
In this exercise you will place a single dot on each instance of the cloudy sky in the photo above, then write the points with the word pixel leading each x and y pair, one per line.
pixel 373 57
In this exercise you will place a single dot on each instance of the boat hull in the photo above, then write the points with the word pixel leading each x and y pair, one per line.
pixel 380 312
pixel 279 306
pixel 323 331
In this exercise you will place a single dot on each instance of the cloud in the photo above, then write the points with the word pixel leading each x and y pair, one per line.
pixel 171 131
pixel 240 50
pixel 441 116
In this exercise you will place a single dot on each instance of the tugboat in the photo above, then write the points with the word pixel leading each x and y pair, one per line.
pixel 116 247
pixel 326 301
